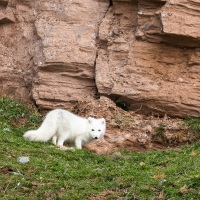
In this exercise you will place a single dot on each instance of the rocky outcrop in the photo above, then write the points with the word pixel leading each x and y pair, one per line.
pixel 149 64
pixel 17 37
pixel 67 33
pixel 50 50
pixel 142 54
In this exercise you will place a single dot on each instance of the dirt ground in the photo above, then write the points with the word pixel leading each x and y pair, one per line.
pixel 128 130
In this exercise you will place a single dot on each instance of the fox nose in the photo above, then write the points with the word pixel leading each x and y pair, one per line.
pixel 96 138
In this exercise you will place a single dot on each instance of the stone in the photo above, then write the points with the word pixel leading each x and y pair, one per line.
pixel 6 16
pixel 144 55
pixel 174 22
pixel 67 32
pixel 4 2
pixel 149 75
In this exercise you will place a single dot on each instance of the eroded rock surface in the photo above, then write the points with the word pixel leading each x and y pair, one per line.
pixel 142 54
pixel 49 51
pixel 17 38
pixel 67 32
pixel 147 63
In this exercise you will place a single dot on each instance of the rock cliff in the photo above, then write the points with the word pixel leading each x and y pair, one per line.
pixel 142 54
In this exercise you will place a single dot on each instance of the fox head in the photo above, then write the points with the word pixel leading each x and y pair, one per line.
pixel 97 127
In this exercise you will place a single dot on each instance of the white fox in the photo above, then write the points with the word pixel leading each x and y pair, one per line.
pixel 62 125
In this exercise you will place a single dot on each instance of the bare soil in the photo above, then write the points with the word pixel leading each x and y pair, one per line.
pixel 128 130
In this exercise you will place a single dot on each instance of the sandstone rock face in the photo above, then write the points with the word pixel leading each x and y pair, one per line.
pixel 67 32
pixel 150 63
pixel 49 49
pixel 17 37
pixel 142 54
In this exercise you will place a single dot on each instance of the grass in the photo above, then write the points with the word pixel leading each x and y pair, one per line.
pixel 194 124
pixel 81 174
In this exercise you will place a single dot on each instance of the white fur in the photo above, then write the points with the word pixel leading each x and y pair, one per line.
pixel 62 125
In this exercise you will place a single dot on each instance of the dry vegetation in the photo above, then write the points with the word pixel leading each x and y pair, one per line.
pixel 132 131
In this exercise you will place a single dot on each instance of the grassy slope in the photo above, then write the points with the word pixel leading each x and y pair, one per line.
pixel 55 174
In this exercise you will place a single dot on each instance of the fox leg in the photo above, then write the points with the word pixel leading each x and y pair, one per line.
pixel 78 143
pixel 54 139
pixel 61 139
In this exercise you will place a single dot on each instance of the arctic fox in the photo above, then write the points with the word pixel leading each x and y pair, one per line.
pixel 62 125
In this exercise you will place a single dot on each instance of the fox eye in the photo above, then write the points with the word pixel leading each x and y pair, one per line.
pixel 99 130
pixel 92 129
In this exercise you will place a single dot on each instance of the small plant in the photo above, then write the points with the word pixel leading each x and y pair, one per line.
pixel 159 133
pixel 121 120
pixel 34 118
pixel 194 124
pixel 160 129
pixel 14 114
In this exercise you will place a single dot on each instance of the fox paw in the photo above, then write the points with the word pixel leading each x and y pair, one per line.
pixel 63 148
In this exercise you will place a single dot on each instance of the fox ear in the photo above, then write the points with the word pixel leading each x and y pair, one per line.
pixel 90 120
pixel 103 121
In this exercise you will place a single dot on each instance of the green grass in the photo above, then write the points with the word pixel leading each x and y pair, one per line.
pixel 194 124
pixel 81 174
